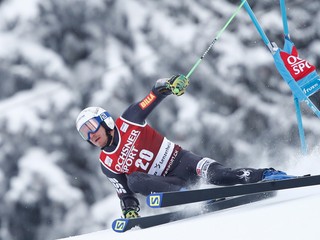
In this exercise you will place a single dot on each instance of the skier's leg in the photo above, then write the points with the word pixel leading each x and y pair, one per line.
pixel 144 183
pixel 217 174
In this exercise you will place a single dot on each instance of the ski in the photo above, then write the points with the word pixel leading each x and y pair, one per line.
pixel 122 224
pixel 157 200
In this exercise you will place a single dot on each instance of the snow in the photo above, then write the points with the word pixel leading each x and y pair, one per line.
pixel 179 34
pixel 19 9
pixel 25 107
pixel 292 214
pixel 39 168
pixel 37 56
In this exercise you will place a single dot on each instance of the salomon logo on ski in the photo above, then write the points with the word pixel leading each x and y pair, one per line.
pixel 119 225
pixel 154 200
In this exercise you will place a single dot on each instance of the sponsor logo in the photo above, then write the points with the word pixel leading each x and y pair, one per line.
pixel 203 166
pixel 128 153
pixel 199 166
pixel 164 156
pixel 147 101
pixel 103 116
pixel 308 90
pixel 298 68
pixel 173 157
pixel 118 186
pixel 155 201
pixel 120 225
pixel 245 174
pixel 124 127
pixel 108 161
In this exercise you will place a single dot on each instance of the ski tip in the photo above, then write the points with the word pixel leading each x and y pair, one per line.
pixel 119 225
pixel 154 200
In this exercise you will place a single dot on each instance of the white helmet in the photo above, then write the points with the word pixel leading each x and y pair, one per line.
pixel 89 120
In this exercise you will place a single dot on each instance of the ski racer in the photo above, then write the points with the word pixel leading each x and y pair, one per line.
pixel 138 159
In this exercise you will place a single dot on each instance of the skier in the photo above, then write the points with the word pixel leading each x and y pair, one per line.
pixel 138 159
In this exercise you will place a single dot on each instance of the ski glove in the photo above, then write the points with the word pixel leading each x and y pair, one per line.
pixel 130 213
pixel 177 84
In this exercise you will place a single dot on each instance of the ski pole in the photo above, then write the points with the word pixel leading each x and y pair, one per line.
pixel 215 39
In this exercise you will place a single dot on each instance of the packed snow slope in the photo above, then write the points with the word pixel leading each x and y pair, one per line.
pixel 292 214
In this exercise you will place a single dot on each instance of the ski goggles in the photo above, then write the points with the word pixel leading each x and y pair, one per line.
pixel 90 126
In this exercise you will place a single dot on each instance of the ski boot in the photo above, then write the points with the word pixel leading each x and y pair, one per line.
pixel 272 174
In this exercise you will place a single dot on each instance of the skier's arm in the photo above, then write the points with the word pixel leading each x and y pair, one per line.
pixel 139 111
pixel 130 205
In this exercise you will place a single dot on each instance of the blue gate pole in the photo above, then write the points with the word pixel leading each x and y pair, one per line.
pixel 284 18
pixel 296 101
pixel 300 126
pixel 270 46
